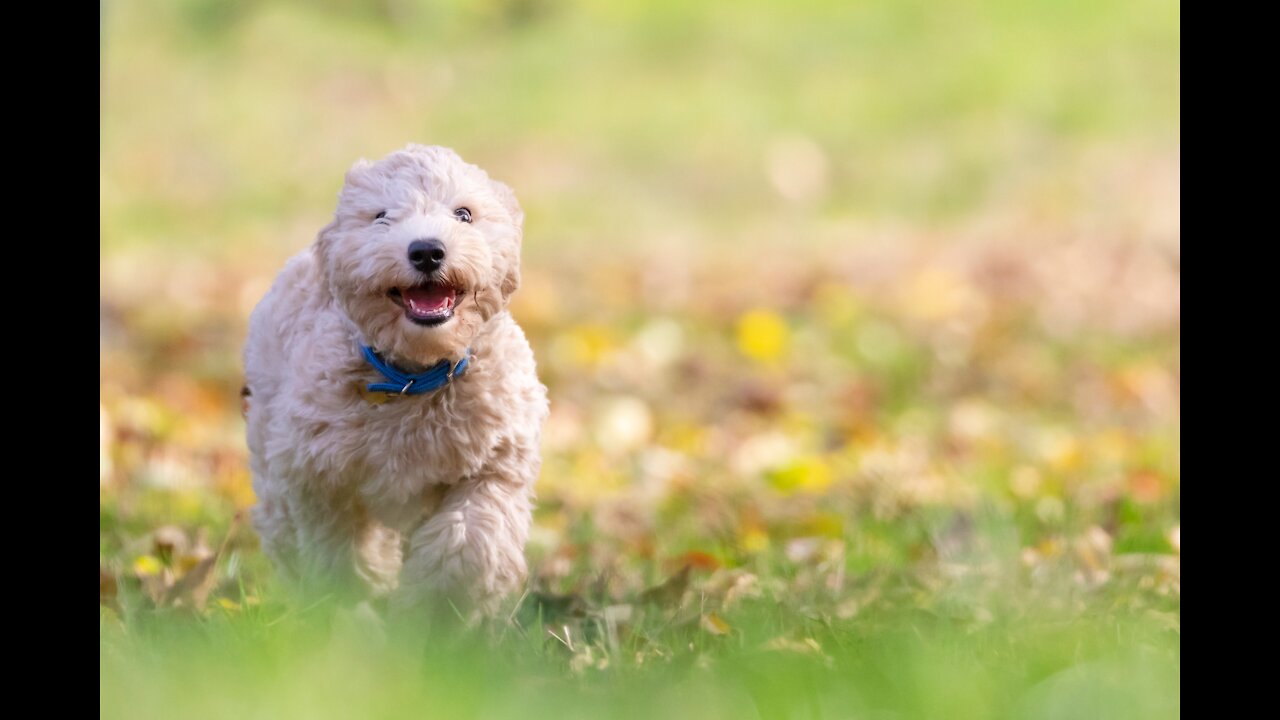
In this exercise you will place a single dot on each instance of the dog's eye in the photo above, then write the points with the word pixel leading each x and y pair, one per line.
pixel 463 214
pixel 380 215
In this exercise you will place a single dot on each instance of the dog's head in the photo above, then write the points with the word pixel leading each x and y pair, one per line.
pixel 423 249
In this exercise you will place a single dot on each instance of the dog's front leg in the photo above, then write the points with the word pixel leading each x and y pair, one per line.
pixel 470 552
pixel 342 551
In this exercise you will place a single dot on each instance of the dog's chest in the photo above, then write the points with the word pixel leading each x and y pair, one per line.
pixel 402 445
pixel 433 438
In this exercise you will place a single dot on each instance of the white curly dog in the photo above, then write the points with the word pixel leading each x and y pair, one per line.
pixel 393 408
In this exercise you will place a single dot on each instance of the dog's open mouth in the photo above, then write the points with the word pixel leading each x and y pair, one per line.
pixel 428 304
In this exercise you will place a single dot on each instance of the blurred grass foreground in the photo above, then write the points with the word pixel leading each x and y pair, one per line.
pixel 860 321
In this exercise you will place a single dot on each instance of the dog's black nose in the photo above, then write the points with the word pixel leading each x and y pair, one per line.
pixel 426 255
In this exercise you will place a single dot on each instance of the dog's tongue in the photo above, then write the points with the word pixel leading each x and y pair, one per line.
pixel 429 299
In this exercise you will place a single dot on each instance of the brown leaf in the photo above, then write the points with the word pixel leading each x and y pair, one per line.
pixel 193 589
pixel 669 593
pixel 698 559
pixel 156 586
pixel 759 398
pixel 733 586
pixel 169 541
pixel 106 586
pixel 551 608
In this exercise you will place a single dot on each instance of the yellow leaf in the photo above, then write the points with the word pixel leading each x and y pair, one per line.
pixel 807 646
pixel 754 540
pixel 762 335
pixel 715 624
pixel 806 475
pixel 147 565
pixel 825 524
pixel 1060 450
pixel 583 345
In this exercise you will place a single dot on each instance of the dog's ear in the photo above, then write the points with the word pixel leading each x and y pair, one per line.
pixel 511 281
pixel 507 197
pixel 324 238
pixel 320 251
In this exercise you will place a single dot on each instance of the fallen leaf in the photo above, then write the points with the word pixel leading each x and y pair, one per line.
pixel 146 565
pixel 192 589
pixel 168 541
pixel 753 540
pixel 744 585
pixel 669 593
pixel 715 624
pixel 106 586
pixel 808 475
pixel 762 335
pixel 551 608
pixel 807 646
pixel 698 559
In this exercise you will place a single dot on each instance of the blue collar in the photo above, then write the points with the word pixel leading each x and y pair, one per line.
pixel 403 383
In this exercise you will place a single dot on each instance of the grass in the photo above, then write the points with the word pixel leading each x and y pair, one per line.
pixel 901 664
pixel 795 632
pixel 866 313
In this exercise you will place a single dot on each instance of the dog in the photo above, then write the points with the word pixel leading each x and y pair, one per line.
pixel 394 411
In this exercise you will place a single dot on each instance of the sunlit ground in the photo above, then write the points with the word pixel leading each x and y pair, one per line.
pixel 866 314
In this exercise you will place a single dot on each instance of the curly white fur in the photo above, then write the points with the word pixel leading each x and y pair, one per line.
pixel 426 498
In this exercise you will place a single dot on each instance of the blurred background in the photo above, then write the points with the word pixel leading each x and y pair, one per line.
pixel 809 282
